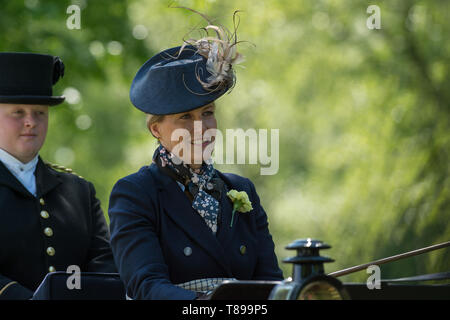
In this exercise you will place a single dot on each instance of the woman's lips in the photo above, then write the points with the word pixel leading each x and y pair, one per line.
pixel 203 144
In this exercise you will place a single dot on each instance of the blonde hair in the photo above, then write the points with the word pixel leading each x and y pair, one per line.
pixel 151 119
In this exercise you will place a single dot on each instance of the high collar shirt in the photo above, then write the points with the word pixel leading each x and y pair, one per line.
pixel 24 172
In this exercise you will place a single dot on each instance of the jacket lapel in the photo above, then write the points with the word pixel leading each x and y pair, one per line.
pixel 225 232
pixel 46 179
pixel 9 180
pixel 178 207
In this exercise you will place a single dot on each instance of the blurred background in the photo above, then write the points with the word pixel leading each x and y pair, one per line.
pixel 363 115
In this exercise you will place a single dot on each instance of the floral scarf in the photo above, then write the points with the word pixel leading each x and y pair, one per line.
pixel 204 184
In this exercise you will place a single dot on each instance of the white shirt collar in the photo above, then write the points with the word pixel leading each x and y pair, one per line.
pixel 24 172
pixel 16 165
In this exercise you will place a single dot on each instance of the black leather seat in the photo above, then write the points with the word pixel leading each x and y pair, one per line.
pixel 93 286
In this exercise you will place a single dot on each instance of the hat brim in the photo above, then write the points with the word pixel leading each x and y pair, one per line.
pixel 168 83
pixel 38 100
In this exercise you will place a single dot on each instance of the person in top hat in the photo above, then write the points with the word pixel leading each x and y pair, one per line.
pixel 179 227
pixel 49 219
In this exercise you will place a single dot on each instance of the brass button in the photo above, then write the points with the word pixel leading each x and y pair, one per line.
pixel 243 249
pixel 51 251
pixel 187 251
pixel 44 214
pixel 41 201
pixel 48 232
pixel 51 269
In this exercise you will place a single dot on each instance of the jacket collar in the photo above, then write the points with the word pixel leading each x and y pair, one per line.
pixel 46 180
pixel 15 165
pixel 178 207
pixel 225 233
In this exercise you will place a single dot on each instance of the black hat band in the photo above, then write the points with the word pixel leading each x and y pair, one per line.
pixel 14 91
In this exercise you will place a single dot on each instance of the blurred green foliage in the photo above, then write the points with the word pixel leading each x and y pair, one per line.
pixel 363 114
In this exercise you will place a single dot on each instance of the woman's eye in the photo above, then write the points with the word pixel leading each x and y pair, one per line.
pixel 185 116
pixel 208 113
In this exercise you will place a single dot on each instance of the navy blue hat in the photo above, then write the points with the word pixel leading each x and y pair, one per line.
pixel 27 78
pixel 168 83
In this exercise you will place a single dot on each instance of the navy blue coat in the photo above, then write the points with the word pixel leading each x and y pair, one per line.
pixel 152 223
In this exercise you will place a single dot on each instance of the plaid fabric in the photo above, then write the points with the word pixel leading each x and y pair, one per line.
pixel 203 285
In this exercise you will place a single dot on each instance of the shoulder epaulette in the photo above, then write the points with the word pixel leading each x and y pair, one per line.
pixel 62 169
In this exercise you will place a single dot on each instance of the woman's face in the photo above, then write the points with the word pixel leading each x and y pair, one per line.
pixel 189 135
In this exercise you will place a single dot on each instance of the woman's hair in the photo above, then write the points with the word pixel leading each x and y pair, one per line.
pixel 153 118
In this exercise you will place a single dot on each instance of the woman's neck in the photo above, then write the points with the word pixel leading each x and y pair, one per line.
pixel 195 167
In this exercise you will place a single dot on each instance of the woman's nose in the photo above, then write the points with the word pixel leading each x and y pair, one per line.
pixel 198 129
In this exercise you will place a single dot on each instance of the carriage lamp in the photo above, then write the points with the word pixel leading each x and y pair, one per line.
pixel 309 281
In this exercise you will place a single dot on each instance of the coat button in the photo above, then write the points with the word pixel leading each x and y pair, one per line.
pixel 51 269
pixel 44 214
pixel 48 232
pixel 41 201
pixel 242 249
pixel 187 251
pixel 51 251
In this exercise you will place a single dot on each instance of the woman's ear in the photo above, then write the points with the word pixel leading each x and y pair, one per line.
pixel 154 129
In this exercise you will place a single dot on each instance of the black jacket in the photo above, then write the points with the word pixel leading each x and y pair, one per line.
pixel 64 225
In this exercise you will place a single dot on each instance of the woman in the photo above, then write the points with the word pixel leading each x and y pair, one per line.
pixel 176 229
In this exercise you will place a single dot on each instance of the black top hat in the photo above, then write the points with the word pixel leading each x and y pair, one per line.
pixel 27 78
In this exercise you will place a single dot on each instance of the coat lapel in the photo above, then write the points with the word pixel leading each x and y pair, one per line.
pixel 46 179
pixel 178 207
pixel 9 180
pixel 225 232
